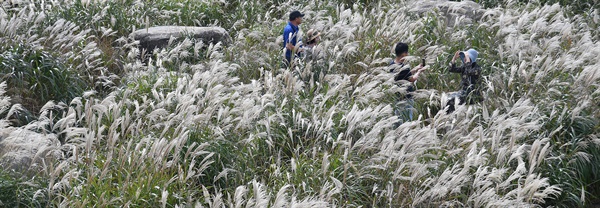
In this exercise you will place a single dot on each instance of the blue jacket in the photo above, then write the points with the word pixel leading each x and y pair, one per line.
pixel 290 30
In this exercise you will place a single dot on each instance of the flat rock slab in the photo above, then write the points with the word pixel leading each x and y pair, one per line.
pixel 158 37
pixel 20 149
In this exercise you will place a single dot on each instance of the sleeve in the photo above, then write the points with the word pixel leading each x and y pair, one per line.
pixel 286 35
pixel 392 67
pixel 455 69
pixel 403 75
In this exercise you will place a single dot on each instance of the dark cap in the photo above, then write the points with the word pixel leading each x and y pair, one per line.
pixel 295 14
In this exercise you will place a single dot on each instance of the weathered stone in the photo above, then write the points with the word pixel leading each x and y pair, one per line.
pixel 21 149
pixel 469 10
pixel 158 37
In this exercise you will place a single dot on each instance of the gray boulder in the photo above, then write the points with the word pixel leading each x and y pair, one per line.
pixel 23 150
pixel 158 37
pixel 467 11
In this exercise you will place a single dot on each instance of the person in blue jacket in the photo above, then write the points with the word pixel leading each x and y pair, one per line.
pixel 291 36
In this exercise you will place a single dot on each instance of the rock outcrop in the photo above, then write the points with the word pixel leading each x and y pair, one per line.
pixel 469 10
pixel 21 149
pixel 158 37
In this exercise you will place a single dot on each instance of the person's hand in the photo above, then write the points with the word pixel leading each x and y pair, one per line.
pixel 414 77
pixel 289 46
pixel 455 56
pixel 423 68
pixel 418 68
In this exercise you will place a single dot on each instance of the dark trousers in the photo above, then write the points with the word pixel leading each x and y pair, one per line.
pixel 463 97
pixel 452 97
pixel 286 62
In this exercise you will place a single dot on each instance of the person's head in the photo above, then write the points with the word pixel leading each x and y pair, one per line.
pixel 313 37
pixel 296 17
pixel 401 50
pixel 469 56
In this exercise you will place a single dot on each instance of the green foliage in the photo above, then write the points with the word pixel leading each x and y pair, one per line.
pixel 35 77
pixel 17 192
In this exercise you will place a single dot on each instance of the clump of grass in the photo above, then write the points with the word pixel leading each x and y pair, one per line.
pixel 35 77
pixel 225 126
pixel 49 61
pixel 16 191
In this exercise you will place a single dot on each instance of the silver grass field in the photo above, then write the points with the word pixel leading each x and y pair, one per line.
pixel 213 125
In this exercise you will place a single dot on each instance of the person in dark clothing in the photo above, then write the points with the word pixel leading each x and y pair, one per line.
pixel 404 107
pixel 403 72
pixel 291 36
pixel 470 73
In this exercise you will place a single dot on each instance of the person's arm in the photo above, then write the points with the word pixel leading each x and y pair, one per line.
pixel 287 31
pixel 416 69
pixel 415 75
pixel 403 75
pixel 453 67
pixel 408 74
